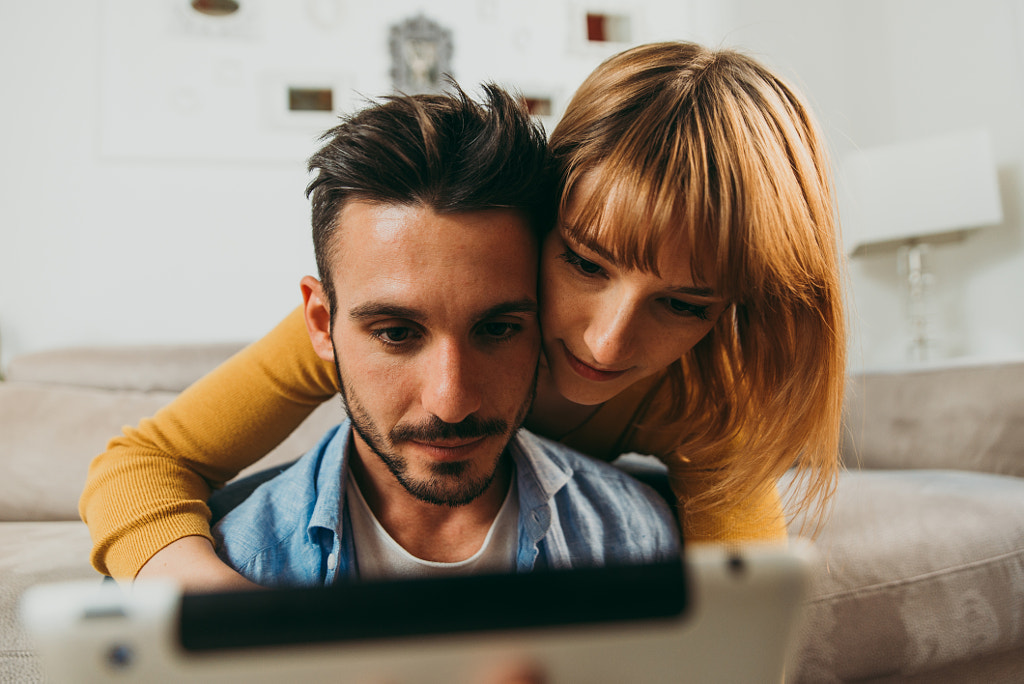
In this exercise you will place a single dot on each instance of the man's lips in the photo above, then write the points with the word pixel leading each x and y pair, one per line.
pixel 589 372
pixel 449 450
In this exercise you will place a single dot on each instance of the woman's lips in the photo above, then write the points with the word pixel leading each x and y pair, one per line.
pixel 589 372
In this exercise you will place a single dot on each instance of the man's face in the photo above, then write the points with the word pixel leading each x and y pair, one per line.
pixel 436 341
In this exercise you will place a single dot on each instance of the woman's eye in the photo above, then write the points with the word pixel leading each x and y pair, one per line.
pixel 579 263
pixel 681 308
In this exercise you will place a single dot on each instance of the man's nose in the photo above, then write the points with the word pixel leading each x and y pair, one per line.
pixel 451 390
pixel 611 330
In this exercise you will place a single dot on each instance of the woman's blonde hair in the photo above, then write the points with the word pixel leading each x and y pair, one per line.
pixel 681 142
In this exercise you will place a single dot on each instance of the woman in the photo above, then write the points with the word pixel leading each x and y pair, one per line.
pixel 690 307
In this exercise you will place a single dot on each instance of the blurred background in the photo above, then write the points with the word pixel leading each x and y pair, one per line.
pixel 152 152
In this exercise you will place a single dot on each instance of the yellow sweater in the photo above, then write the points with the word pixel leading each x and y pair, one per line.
pixel 150 487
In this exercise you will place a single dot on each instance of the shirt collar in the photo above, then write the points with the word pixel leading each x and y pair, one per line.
pixel 330 483
pixel 539 475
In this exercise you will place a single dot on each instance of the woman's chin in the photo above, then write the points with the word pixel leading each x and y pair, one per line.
pixel 582 385
pixel 583 392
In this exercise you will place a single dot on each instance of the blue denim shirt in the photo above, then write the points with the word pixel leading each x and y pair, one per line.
pixel 574 511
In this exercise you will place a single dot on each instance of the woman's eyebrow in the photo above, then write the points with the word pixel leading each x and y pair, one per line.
pixel 598 250
pixel 689 290
pixel 694 291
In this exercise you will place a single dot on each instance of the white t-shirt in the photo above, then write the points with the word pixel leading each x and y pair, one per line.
pixel 379 556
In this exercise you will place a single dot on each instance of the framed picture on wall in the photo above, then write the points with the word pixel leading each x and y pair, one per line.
pixel 421 54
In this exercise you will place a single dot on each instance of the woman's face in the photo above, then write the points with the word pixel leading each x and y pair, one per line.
pixel 606 326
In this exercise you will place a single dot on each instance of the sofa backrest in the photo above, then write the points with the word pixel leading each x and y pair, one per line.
pixel 59 409
pixel 968 416
pixel 152 368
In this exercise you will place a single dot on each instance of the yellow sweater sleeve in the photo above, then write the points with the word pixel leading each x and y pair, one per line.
pixel 623 425
pixel 150 487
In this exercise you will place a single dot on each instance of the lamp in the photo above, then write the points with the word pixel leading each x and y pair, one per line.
pixel 907 196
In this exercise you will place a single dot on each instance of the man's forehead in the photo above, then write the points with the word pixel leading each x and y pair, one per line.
pixel 363 223
pixel 413 257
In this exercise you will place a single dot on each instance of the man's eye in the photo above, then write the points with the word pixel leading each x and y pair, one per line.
pixel 499 330
pixel 579 263
pixel 396 335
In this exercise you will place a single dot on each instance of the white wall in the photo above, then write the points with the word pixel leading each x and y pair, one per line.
pixel 142 245
pixel 105 248
pixel 885 71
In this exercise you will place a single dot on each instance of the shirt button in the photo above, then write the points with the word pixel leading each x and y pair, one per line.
pixel 332 561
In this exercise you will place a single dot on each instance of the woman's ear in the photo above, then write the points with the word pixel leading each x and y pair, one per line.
pixel 318 317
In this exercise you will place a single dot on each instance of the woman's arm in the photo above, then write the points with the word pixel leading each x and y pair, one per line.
pixel 630 422
pixel 150 487
pixel 194 564
pixel 759 517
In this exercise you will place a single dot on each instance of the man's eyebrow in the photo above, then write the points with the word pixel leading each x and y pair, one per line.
pixel 526 305
pixel 368 310
pixel 383 310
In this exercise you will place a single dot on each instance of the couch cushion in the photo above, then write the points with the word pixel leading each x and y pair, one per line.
pixel 923 569
pixel 962 417
pixel 34 553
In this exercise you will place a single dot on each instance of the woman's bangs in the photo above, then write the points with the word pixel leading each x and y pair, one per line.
pixel 633 217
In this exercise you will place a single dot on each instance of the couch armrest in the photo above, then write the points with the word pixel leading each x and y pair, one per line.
pixel 962 417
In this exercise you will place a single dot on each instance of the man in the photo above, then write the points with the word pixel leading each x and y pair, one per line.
pixel 427 214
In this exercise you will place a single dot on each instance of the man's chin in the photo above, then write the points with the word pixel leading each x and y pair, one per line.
pixel 450 469
pixel 444 491
pixel 450 483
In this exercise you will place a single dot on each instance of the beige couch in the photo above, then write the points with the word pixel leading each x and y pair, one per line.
pixel 924 569
pixel 924 552
pixel 57 411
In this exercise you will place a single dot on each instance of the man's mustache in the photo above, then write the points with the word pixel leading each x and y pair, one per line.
pixel 435 429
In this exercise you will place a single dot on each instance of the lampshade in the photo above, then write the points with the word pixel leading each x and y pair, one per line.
pixel 935 189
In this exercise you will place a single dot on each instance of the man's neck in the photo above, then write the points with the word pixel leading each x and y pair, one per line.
pixel 429 531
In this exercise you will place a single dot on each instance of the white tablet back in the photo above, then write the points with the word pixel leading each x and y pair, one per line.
pixel 734 624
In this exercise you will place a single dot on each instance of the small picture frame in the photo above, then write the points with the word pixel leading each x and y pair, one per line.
pixel 421 53
pixel 603 27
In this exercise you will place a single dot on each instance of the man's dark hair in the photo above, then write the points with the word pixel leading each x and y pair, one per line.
pixel 445 152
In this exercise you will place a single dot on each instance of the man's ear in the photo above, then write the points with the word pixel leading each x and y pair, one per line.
pixel 318 317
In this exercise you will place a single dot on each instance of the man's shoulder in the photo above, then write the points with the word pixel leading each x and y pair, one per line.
pixel 594 477
pixel 300 476
pixel 605 513
pixel 580 464
pixel 280 507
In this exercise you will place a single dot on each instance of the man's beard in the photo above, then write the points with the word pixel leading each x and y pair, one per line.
pixel 450 483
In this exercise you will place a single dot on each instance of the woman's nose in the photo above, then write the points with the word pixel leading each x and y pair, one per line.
pixel 610 333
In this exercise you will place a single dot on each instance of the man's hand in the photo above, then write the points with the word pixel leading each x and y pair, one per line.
pixel 193 563
pixel 514 672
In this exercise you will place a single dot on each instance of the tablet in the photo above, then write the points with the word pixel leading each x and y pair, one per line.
pixel 722 614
